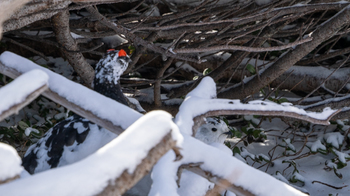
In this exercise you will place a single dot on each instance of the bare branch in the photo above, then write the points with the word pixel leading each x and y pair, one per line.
pixel 135 39
pixel 242 48
pixel 64 38
pixel 324 32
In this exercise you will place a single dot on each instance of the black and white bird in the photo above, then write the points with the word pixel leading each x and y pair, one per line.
pixel 76 137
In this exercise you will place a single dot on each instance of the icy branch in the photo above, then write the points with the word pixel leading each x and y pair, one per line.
pixel 113 169
pixel 20 92
pixel 99 109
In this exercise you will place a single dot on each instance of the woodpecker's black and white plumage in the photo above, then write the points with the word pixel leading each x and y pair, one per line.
pixel 76 137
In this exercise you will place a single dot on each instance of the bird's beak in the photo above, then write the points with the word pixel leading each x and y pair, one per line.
pixel 229 134
pixel 125 58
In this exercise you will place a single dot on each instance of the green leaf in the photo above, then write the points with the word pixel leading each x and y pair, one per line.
pixel 206 71
pixel 236 150
pixel 251 68
pixel 282 100
pixel 256 133
pixel 22 125
pixel 131 49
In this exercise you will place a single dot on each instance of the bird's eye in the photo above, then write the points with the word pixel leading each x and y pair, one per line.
pixel 214 129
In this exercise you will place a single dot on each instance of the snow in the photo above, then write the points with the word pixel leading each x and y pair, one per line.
pixel 114 41
pixel 16 91
pixel 98 104
pixel 76 36
pixel 342 156
pixel 95 172
pixel 200 100
pixel 137 104
pixel 187 67
pixel 29 130
pixel 336 139
pixel 164 173
pixel 10 162
pixel 316 145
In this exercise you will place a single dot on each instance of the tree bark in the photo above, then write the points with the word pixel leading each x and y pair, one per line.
pixel 60 23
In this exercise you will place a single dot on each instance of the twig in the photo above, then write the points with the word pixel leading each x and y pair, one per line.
pixel 334 187
pixel 122 30
pixel 242 48
pixel 26 47
pixel 308 95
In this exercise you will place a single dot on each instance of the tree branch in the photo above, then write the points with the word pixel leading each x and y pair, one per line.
pixel 135 39
pixel 324 32
pixel 61 27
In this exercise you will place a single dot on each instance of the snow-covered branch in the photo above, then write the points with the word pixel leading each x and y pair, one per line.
pixel 239 175
pixel 114 168
pixel 10 164
pixel 199 103
pixel 21 92
pixel 105 112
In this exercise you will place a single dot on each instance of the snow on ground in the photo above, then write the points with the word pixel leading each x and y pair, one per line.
pixel 94 173
pixel 17 91
pixel 10 162
pixel 100 105
pixel 311 168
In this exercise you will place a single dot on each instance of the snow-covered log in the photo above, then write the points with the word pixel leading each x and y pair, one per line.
pixel 10 164
pixel 199 103
pixel 20 92
pixel 113 169
pixel 99 109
